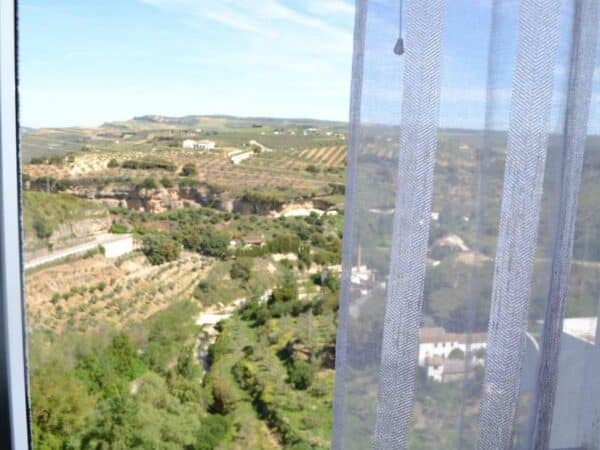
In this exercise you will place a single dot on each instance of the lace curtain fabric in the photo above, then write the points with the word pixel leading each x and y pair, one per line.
pixel 471 266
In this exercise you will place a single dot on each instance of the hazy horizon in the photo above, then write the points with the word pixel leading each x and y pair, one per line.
pixel 81 63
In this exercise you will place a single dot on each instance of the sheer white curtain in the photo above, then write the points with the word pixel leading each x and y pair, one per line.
pixel 471 267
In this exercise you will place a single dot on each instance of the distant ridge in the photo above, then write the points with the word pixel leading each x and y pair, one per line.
pixel 222 120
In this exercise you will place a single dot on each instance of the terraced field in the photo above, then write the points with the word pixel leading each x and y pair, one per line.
pixel 99 290
pixel 276 169
pixel 326 156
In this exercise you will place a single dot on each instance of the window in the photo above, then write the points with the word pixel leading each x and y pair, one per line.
pixel 182 220
pixel 171 234
pixel 13 403
pixel 472 160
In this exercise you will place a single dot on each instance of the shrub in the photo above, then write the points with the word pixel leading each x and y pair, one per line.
pixel 189 170
pixel 149 183
pixel 215 245
pixel 113 163
pixel 283 244
pixel 160 248
pixel 118 228
pixel 43 228
pixel 301 374
pixel 219 348
pixel 148 165
pixel 205 287
pixel 186 365
pixel 241 269
pixel 190 236
pixel 457 353
pixel 224 397
pixel 245 374
pixel 284 294
pixel 213 430
pixel 304 256
pixel 255 312
pixel 187 181
pixel 330 301
pixel 167 182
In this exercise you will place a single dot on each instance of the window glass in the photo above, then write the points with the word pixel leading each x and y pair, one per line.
pixel 182 228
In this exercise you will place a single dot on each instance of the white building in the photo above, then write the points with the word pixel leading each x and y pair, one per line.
pixel 435 342
pixel 576 413
pixel 583 328
pixel 189 143
pixel 238 156
pixel 118 246
pixel 361 275
pixel 199 145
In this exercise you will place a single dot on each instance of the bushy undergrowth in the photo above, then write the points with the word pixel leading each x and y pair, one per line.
pixel 135 388
pixel 160 248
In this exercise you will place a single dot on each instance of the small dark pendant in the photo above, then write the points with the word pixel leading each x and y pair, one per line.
pixel 399 47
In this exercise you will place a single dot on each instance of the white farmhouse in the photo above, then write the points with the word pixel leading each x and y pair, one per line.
pixel 199 145
pixel 435 347
pixel 435 342
pixel 189 143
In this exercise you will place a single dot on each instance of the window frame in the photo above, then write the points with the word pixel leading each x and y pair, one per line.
pixel 14 401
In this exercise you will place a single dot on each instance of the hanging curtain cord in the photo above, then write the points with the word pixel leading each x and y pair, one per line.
pixel 399 47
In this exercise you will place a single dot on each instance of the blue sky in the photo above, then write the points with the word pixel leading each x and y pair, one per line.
pixel 86 62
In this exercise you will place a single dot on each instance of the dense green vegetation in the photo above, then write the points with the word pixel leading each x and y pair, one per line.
pixel 44 212
pixel 281 365
pixel 268 382
pixel 313 239
pixel 141 385
pixel 160 248
pixel 146 164
pixel 135 388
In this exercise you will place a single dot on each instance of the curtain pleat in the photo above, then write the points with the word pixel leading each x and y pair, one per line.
pixel 480 199
pixel 350 212
pixel 471 274
pixel 420 113
pixel 579 92
pixel 519 218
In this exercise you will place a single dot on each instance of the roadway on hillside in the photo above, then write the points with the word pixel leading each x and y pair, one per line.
pixel 31 262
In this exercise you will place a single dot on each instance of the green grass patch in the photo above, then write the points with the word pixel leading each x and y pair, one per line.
pixel 44 212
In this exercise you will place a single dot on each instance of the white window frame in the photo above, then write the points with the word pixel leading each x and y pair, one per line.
pixel 14 402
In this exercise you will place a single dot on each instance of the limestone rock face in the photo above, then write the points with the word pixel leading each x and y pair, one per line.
pixel 183 196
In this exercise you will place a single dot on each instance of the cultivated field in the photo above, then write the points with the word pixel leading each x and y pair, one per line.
pixel 97 290
pixel 282 157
